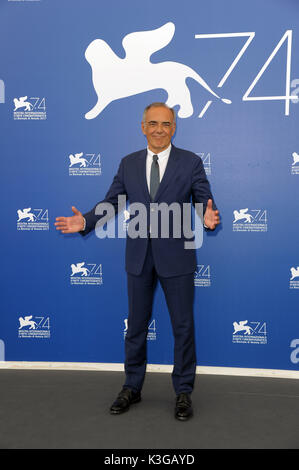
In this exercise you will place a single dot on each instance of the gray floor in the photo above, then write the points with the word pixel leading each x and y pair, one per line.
pixel 70 410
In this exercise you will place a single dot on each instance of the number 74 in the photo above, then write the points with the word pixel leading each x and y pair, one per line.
pixel 246 97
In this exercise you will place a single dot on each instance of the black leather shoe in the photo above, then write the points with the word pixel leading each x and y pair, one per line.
pixel 124 399
pixel 183 407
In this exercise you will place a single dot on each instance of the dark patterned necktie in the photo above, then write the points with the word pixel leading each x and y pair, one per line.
pixel 155 177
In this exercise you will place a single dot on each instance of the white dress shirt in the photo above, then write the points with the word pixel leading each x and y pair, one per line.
pixel 162 162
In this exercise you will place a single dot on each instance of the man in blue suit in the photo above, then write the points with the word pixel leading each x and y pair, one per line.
pixel 159 174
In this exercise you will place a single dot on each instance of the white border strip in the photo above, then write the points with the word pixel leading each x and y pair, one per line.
pixel 116 367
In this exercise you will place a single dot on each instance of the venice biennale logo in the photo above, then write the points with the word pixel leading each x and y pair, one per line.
pixel 115 78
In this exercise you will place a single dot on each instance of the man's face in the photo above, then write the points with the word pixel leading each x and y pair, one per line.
pixel 158 128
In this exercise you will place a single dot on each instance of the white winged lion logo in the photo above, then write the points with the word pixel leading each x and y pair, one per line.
pixel 295 156
pixel 242 214
pixel 242 325
pixel 115 78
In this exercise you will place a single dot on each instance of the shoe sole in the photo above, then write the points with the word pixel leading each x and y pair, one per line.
pixel 183 418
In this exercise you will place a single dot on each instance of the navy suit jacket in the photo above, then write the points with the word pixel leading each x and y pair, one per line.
pixel 184 181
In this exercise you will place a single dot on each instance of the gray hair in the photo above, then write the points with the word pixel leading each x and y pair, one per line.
pixel 158 105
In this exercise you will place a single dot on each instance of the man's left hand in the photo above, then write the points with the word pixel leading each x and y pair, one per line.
pixel 211 217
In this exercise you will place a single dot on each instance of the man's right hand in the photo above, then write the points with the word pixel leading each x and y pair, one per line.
pixel 70 224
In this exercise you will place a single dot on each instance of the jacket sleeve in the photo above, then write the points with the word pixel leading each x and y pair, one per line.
pixel 116 189
pixel 200 186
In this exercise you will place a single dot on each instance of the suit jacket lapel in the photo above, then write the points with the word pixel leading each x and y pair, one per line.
pixel 142 174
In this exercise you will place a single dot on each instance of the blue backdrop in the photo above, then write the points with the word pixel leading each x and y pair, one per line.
pixel 247 281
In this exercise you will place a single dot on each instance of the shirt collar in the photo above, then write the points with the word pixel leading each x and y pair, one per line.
pixel 161 155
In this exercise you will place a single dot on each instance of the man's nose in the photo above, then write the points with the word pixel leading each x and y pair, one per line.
pixel 159 128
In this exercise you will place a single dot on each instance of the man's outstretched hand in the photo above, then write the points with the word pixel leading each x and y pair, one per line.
pixel 70 224
pixel 211 217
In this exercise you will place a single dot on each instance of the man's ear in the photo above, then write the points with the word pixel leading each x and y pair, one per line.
pixel 142 127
